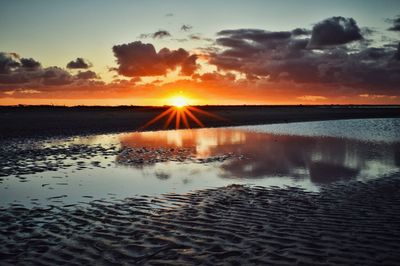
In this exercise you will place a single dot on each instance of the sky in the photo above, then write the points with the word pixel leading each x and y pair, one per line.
pixel 82 52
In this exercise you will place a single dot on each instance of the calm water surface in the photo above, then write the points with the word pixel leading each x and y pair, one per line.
pixel 307 155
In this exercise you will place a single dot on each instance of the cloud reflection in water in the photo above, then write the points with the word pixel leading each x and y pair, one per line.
pixel 321 159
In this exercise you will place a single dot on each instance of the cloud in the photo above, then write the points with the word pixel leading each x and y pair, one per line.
pixel 298 65
pixel 215 76
pixel 260 53
pixel 30 64
pixel 161 34
pixel 25 77
pixel 378 96
pixel 397 54
pixel 300 31
pixel 169 14
pixel 186 27
pixel 8 62
pixel 198 37
pixel 189 66
pixel 396 24
pixel 286 56
pixel 311 98
pixel 141 59
pixel 156 35
pixel 13 78
pixel 55 76
pixel 16 70
pixel 195 37
pixel 21 91
pixel 79 63
pixel 255 34
pixel 180 40
pixel 335 31
pixel 87 75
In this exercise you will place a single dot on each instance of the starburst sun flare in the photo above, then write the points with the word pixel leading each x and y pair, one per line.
pixel 179 101
pixel 181 113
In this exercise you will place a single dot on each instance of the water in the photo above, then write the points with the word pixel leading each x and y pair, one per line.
pixel 361 129
pixel 115 166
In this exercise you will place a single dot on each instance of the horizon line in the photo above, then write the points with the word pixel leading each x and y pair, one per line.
pixel 199 105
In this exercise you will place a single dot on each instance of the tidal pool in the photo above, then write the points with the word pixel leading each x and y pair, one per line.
pixel 115 166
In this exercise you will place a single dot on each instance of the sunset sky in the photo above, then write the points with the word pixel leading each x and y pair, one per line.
pixel 210 52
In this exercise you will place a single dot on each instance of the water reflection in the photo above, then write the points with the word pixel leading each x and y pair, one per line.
pixel 72 170
pixel 260 155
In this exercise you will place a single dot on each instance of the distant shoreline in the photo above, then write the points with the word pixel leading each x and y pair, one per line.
pixel 34 106
pixel 49 121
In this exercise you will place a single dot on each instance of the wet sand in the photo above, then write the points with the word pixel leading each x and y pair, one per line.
pixel 345 223
pixel 352 224
pixel 66 121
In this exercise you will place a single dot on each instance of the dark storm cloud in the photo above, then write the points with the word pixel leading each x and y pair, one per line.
pixel 335 31
pixel 289 56
pixel 141 59
pixel 79 63
pixel 186 27
pixel 396 24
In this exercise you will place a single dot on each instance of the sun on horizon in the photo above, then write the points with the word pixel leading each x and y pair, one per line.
pixel 178 101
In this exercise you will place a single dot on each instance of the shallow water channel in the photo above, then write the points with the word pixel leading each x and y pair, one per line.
pixel 309 155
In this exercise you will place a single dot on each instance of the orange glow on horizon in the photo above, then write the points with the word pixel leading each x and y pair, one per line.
pixel 179 101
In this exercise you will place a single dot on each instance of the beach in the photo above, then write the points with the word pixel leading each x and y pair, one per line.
pixel 309 193
pixel 353 224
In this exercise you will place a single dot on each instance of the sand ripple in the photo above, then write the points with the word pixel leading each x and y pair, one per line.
pixel 352 224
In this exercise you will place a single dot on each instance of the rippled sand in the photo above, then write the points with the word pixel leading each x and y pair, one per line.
pixel 344 224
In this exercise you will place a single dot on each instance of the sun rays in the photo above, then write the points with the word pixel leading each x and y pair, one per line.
pixel 182 115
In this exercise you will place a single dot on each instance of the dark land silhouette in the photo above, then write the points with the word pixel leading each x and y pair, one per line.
pixel 36 121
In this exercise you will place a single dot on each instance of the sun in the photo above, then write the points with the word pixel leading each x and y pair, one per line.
pixel 181 113
pixel 179 101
